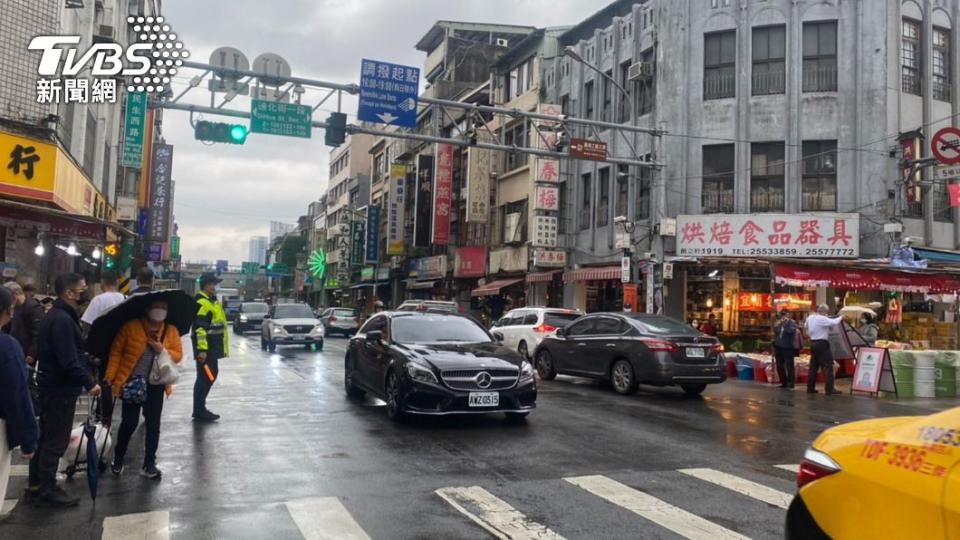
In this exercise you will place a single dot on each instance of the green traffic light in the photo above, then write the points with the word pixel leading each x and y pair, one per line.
pixel 238 134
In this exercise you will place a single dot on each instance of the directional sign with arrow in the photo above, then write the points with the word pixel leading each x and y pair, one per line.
pixel 388 93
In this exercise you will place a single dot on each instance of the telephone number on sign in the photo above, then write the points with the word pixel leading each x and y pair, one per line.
pixel 769 251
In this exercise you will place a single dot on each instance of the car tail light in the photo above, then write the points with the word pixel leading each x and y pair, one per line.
pixel 815 465
pixel 718 347
pixel 660 345
pixel 544 328
pixel 332 318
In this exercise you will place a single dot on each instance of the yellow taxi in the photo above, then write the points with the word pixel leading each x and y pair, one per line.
pixel 884 478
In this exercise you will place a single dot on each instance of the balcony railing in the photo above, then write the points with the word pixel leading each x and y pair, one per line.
pixel 768 82
pixel 942 90
pixel 719 86
pixel 820 80
pixel 911 81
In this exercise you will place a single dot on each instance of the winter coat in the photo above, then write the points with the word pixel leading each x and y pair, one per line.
pixel 129 346
pixel 26 325
pixel 63 364
pixel 16 405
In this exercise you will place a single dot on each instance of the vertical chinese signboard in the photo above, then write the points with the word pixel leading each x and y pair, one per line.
pixel 478 185
pixel 548 198
pixel 373 235
pixel 423 210
pixel 769 235
pixel 356 243
pixel 158 225
pixel 548 170
pixel 398 179
pixel 133 129
pixel 442 194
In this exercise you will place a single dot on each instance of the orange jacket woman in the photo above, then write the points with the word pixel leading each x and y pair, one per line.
pixel 132 354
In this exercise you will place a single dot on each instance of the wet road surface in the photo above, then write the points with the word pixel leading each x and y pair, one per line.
pixel 293 458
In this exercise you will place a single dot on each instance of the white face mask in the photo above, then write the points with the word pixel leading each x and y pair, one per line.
pixel 157 315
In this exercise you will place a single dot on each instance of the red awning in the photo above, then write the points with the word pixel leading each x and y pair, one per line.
pixel 494 287
pixel 866 280
pixel 593 274
pixel 540 277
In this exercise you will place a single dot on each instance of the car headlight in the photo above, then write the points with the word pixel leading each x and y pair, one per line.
pixel 526 370
pixel 277 329
pixel 317 330
pixel 421 374
pixel 243 318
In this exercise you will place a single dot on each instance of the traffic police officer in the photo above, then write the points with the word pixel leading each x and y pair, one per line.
pixel 210 344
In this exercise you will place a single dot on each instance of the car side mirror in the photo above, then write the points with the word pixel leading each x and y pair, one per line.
pixel 266 316
pixel 561 332
pixel 375 336
pixel 498 336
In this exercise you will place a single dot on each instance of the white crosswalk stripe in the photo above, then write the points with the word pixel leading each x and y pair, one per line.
pixel 792 467
pixel 145 526
pixel 19 470
pixel 742 486
pixel 324 518
pixel 494 515
pixel 653 509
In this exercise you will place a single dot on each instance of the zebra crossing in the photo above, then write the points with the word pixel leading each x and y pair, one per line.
pixel 499 512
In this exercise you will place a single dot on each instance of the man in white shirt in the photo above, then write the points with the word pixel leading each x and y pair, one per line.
pixel 110 297
pixel 818 327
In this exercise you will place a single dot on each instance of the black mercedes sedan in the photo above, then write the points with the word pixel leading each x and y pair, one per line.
pixel 628 349
pixel 430 363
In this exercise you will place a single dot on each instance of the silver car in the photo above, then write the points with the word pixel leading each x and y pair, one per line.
pixel 341 321
pixel 291 324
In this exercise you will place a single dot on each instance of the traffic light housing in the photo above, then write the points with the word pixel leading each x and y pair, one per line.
pixel 111 254
pixel 336 131
pixel 220 132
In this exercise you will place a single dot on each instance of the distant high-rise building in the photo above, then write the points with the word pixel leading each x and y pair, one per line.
pixel 278 229
pixel 258 249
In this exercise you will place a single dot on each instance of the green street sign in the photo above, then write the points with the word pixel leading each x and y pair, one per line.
pixel 333 282
pixel 174 247
pixel 250 267
pixel 133 129
pixel 357 236
pixel 366 274
pixel 287 119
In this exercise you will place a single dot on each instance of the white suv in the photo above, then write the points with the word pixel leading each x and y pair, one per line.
pixel 522 329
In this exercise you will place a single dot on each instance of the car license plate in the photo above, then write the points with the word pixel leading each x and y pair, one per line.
pixel 484 399
pixel 695 352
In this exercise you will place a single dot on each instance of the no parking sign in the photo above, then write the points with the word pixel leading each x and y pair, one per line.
pixel 946 146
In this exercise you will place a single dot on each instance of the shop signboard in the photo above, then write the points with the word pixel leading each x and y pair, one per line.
pixel 549 258
pixel 625 269
pixel 372 248
pixel 479 166
pixel 134 129
pixel 398 179
pixel 28 167
pixel 753 301
pixel 548 198
pixel 545 231
pixel 161 166
pixel 126 209
pixel 587 149
pixel 423 209
pixel 631 295
pixel 357 237
pixel 548 170
pixel 829 236
pixel 470 262
pixel 367 273
pixel 509 260
pixel 442 194
pixel 429 267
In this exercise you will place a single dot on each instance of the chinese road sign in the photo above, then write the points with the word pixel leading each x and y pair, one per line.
pixel 398 179
pixel 769 235
pixel 946 145
pixel 250 267
pixel 159 212
pixel 356 243
pixel 133 129
pixel 388 93
pixel 442 194
pixel 586 149
pixel 373 235
pixel 275 118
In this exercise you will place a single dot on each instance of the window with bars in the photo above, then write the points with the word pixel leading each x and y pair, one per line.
pixel 719 64
pixel 603 208
pixel 516 135
pixel 942 89
pixel 820 56
pixel 607 98
pixel 647 91
pixel 819 176
pixel 718 178
pixel 586 207
pixel 766 177
pixel 588 100
pixel 642 211
pixel 769 68
pixel 623 193
pixel 910 56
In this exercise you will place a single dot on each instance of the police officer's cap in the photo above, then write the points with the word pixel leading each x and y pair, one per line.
pixel 209 277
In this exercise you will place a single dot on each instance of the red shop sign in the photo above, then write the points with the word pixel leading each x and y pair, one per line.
pixel 470 262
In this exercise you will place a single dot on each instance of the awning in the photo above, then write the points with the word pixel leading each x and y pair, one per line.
pixel 866 280
pixel 937 255
pixel 370 284
pixel 494 287
pixel 540 277
pixel 413 285
pixel 57 222
pixel 593 274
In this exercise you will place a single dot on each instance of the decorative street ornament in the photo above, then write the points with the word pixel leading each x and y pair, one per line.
pixel 318 263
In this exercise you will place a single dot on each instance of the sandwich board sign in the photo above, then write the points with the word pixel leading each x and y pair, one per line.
pixel 874 373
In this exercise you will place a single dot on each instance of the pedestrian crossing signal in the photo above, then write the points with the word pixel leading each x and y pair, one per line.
pixel 220 132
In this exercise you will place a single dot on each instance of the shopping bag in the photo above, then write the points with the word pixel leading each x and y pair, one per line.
pixel 164 371
pixel 77 448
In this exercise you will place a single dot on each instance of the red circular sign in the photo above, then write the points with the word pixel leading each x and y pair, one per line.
pixel 946 145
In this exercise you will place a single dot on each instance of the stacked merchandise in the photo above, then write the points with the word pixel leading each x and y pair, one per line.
pixel 944 336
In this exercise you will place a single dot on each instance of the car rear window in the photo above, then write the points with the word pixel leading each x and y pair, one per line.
pixel 344 313
pixel 559 319
pixel 254 308
pixel 437 328
pixel 663 326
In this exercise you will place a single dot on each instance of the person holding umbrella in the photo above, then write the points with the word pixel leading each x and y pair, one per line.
pixel 132 355
pixel 210 344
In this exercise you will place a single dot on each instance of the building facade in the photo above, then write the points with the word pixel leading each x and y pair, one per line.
pixel 257 251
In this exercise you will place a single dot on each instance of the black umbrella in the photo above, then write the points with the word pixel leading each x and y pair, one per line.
pixel 93 455
pixel 181 312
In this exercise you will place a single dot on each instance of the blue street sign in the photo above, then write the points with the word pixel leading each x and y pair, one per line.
pixel 373 235
pixel 388 93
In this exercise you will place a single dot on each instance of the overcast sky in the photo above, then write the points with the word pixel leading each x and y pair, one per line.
pixel 225 193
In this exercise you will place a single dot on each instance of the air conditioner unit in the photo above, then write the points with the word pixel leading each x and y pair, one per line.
pixel 501 42
pixel 511 228
pixel 640 71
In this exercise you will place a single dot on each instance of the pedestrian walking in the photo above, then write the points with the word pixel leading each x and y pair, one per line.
pixel 18 425
pixel 63 372
pixel 786 345
pixel 868 329
pixel 133 354
pixel 144 281
pixel 818 327
pixel 26 320
pixel 210 344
